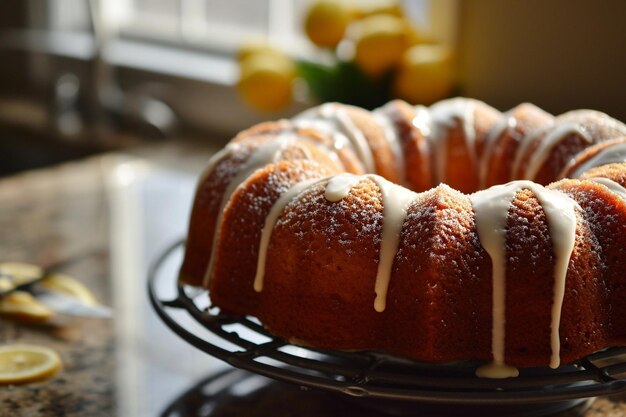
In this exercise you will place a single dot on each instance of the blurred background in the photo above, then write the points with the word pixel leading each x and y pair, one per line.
pixel 79 77
pixel 139 93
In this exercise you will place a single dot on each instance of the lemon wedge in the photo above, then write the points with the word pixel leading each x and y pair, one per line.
pixel 67 285
pixel 20 364
pixel 20 272
pixel 22 305
pixel 5 284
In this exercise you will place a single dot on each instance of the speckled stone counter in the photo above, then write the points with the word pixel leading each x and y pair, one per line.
pixel 46 217
pixel 62 213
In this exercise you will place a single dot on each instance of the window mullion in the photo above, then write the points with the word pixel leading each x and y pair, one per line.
pixel 281 23
pixel 193 19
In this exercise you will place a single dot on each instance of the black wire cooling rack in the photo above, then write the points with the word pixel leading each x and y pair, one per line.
pixel 244 343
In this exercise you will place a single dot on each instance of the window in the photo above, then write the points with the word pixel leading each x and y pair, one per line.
pixel 222 25
pixel 180 51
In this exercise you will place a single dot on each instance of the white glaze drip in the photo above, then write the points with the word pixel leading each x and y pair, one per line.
pixel 608 155
pixel 385 118
pixel 505 125
pixel 260 157
pixel 339 186
pixel 422 122
pixel 268 227
pixel 335 121
pixel 611 185
pixel 331 151
pixel 357 138
pixel 310 120
pixel 215 159
pixel 491 208
pixel 396 201
pixel 444 115
pixel 548 143
pixel 522 150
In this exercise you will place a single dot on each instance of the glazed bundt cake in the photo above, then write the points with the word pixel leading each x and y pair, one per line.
pixel 309 225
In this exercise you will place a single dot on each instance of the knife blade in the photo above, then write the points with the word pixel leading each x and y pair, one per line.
pixel 70 306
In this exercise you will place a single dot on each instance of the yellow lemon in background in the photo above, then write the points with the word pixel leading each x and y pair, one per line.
pixel 370 7
pixel 266 81
pixel 22 305
pixel 425 75
pixel 258 47
pixel 326 21
pixel 380 41
pixel 20 364
pixel 415 34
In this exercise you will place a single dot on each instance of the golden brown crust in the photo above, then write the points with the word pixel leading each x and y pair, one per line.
pixel 305 294
pixel 205 211
pixel 417 163
pixel 587 154
pixel 323 256
pixel 589 127
pixel 231 286
pixel 210 192
pixel 440 273
pixel 605 214
pixel 319 289
pixel 521 121
pixel 461 165
pixel 384 158
pixel 615 172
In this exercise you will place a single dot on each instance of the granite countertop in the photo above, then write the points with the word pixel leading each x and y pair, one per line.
pixel 46 217
pixel 61 213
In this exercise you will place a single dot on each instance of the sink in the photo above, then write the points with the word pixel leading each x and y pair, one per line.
pixel 23 149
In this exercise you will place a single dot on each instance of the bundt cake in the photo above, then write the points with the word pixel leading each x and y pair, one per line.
pixel 309 225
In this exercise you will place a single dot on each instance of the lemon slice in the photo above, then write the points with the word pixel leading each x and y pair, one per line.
pixel 67 285
pixel 22 305
pixel 20 364
pixel 20 272
pixel 5 284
